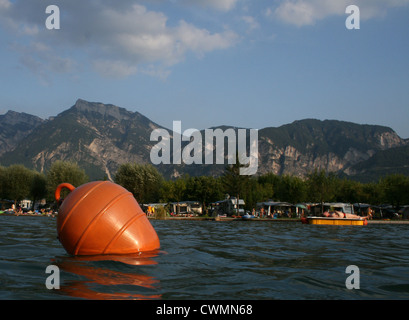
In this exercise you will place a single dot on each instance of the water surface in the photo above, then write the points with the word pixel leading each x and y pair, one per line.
pixel 212 260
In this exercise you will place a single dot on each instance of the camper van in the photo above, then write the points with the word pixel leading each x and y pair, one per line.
pixel 228 207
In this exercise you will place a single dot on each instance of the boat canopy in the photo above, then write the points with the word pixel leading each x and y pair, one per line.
pixel 274 204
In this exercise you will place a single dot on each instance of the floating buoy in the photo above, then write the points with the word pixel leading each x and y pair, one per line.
pixel 102 217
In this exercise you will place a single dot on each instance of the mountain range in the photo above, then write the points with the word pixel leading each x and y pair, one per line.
pixel 100 137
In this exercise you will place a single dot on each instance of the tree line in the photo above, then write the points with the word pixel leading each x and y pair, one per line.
pixel 149 186
pixel 18 182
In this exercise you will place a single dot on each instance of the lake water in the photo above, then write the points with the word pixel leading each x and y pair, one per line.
pixel 237 260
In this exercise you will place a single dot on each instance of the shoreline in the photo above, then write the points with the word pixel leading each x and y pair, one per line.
pixel 28 215
pixel 225 219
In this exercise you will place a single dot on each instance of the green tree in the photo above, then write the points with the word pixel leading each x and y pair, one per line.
pixel 16 182
pixel 234 183
pixel 173 190
pixel 143 180
pixel 371 193
pixel 2 179
pixel 255 192
pixel 179 188
pixel 64 171
pixel 349 191
pixel 321 186
pixel 38 188
pixel 203 189
pixel 395 189
pixel 291 189
pixel 166 191
pixel 269 183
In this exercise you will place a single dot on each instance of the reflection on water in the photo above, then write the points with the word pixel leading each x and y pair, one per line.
pixel 212 260
pixel 99 281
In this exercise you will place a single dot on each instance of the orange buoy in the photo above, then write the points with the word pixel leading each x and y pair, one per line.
pixel 102 217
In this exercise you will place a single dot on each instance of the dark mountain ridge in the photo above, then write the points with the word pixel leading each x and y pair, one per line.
pixel 100 137
pixel 15 126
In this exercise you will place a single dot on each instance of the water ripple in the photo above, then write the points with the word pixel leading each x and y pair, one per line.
pixel 212 260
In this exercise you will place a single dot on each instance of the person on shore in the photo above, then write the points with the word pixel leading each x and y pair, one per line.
pixel 370 213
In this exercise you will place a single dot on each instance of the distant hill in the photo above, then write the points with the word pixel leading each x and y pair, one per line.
pixel 333 145
pixel 97 136
pixel 385 162
pixel 15 126
pixel 100 137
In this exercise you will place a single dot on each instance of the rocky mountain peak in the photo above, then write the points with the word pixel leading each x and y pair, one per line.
pixel 15 126
pixel 12 118
pixel 105 110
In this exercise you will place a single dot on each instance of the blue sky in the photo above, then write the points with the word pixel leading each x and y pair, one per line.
pixel 246 63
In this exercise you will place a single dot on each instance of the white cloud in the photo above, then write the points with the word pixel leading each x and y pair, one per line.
pixel 42 61
pixel 251 22
pixel 118 39
pixel 4 4
pixel 201 40
pixel 111 68
pixel 140 36
pixel 308 12
pixel 223 5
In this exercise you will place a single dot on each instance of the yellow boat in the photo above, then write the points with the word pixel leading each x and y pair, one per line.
pixel 334 221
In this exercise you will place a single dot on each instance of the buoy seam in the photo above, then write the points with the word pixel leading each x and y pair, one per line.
pixel 122 230
pixel 96 218
pixel 77 204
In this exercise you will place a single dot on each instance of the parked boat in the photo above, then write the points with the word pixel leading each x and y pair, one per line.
pixel 334 221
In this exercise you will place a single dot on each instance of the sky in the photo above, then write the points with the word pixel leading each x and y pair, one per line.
pixel 244 63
